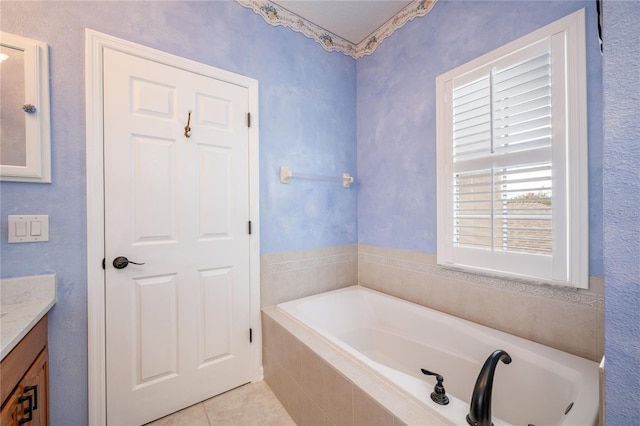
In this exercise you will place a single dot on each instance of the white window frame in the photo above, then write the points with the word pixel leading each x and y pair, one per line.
pixel 569 263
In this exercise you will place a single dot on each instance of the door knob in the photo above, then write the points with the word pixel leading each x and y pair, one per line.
pixel 121 262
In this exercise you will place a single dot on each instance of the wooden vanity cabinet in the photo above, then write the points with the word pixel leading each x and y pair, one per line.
pixel 25 379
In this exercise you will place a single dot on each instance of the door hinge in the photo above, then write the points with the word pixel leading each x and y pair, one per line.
pixel 249 227
pixel 250 335
pixel 104 263
pixel 248 119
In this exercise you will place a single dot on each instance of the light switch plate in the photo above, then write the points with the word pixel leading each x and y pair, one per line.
pixel 28 228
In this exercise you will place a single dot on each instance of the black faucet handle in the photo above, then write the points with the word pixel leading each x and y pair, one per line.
pixel 439 378
pixel 439 394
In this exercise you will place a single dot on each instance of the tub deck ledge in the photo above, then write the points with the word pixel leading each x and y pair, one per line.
pixel 282 333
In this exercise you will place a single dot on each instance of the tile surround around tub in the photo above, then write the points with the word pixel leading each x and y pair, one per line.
pixel 571 320
pixel 291 275
pixel 319 385
pixel 305 375
pixel 564 318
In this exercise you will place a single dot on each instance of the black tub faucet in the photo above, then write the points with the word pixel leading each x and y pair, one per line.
pixel 480 410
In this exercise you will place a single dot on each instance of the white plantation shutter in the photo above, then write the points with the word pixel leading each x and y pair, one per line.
pixel 502 197
pixel 506 192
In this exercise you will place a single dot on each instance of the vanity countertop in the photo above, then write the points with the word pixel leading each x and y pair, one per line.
pixel 24 301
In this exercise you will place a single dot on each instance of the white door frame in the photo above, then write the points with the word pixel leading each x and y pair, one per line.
pixel 95 42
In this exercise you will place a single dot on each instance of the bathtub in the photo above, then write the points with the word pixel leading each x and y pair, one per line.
pixel 396 339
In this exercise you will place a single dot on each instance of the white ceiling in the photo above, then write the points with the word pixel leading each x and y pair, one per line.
pixel 352 20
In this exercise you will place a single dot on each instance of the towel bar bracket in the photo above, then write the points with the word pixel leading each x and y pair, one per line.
pixel 286 174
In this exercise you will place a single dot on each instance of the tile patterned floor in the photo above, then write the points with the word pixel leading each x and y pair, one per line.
pixel 253 404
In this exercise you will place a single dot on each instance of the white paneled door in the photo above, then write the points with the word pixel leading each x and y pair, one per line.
pixel 177 323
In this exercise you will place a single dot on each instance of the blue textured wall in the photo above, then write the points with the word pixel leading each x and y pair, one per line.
pixel 308 113
pixel 397 113
pixel 622 210
pixel 307 121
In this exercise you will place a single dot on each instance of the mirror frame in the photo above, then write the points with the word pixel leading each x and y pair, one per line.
pixel 37 124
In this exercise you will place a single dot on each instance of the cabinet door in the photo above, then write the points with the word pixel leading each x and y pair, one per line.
pixel 35 383
pixel 32 390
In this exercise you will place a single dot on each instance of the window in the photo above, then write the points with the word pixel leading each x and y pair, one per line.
pixel 512 159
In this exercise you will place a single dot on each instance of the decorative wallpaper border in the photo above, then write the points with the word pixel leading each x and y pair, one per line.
pixel 296 265
pixel 276 15
pixel 558 294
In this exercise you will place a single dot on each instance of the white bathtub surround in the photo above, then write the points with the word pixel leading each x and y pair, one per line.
pixel 294 274
pixel 568 319
pixel 319 384
pixel 24 301
pixel 395 339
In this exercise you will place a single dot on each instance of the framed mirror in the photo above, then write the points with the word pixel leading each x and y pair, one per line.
pixel 25 141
